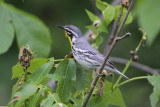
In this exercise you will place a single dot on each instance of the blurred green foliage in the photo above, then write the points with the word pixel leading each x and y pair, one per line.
pixel 55 12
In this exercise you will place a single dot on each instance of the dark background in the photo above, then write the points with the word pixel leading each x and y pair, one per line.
pixel 63 12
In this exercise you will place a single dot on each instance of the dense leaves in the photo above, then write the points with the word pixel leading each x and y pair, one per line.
pixel 29 30
pixel 41 72
pixel 108 14
pixel 83 79
pixel 35 63
pixel 47 102
pixel 65 74
pixel 28 89
pixel 117 9
pixel 34 99
pixel 108 98
pixel 155 96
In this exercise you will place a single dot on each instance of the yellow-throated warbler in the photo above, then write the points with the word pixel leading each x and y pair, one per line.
pixel 84 53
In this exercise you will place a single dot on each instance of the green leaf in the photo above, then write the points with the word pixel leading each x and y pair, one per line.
pixel 102 28
pixel 57 97
pixel 25 91
pixel 108 98
pixel 92 16
pixel 77 102
pixel 34 99
pixel 59 105
pixel 41 72
pixel 65 74
pixel 30 31
pixel 129 18
pixel 93 29
pixel 101 5
pixel 99 40
pixel 14 89
pixel 6 29
pixel 109 14
pixel 35 63
pixel 83 80
pixel 50 76
pixel 155 96
pixel 45 81
pixel 149 20
pixel 47 102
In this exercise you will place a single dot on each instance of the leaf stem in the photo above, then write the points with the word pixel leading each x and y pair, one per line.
pixel 53 97
pixel 25 75
pixel 58 60
pixel 124 71
pixel 132 79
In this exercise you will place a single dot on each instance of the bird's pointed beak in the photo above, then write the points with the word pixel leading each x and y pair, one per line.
pixel 61 26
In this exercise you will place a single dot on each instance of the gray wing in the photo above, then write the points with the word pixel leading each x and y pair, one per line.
pixel 100 58
pixel 94 54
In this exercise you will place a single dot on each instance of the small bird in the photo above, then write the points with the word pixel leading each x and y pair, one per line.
pixel 84 53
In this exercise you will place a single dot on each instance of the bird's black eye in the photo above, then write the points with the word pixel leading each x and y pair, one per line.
pixel 69 33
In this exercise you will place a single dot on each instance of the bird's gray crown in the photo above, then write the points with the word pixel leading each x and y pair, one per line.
pixel 73 29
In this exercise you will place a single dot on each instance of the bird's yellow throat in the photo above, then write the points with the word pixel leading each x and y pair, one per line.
pixel 68 38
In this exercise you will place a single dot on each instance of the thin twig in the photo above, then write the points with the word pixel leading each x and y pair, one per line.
pixel 114 32
pixel 99 70
pixel 124 36
pixel 132 79
pixel 125 18
pixel 110 38
pixel 25 75
pixel 142 67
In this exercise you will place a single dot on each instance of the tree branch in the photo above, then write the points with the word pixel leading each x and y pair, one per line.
pixel 142 67
pixel 109 41
pixel 99 70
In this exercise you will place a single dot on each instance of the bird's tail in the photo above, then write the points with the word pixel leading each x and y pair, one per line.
pixel 118 72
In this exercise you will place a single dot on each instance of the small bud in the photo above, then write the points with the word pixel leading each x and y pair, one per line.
pixel 135 58
pixel 97 23
pixel 26 59
pixel 125 3
pixel 92 36
pixel 132 53
pixel 105 72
